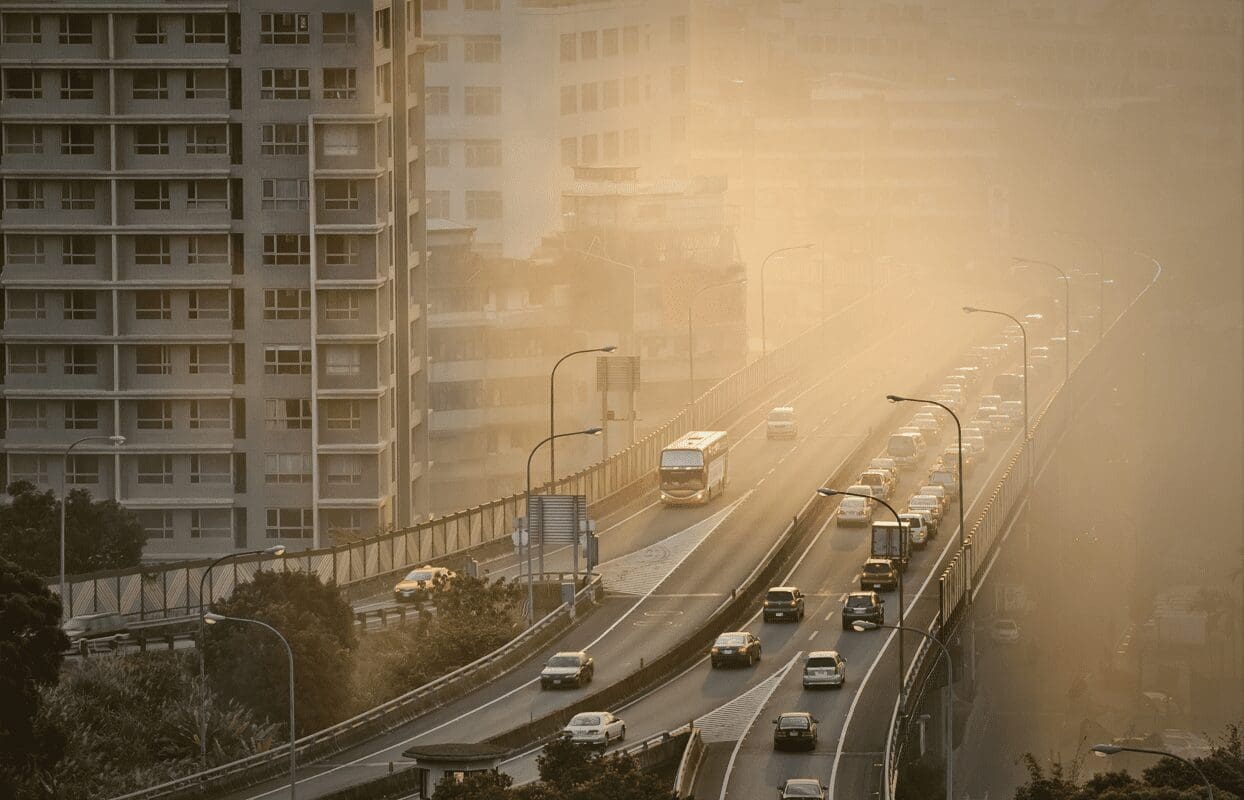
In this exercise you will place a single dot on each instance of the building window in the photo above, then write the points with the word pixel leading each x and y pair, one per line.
pixel 570 152
pixel 211 468
pixel 287 414
pixel 678 30
pixel 290 523
pixel 341 195
pixel 207 250
pixel 28 360
pixel 153 304
pixel 79 305
pixel 339 83
pixel 630 40
pixel 154 470
pixel 24 250
pixel 339 28
pixel 149 29
pixel 81 415
pixel 569 47
pixel 209 359
pixel 82 469
pixel 23 84
pixel 482 5
pixel 286 304
pixel 341 305
pixel 341 250
pixel 33 469
pixel 152 250
pixel 153 415
pixel 27 305
pixel 384 36
pixel 343 469
pixel 482 101
pixel 23 195
pixel 151 140
pixel 205 84
pixel 22 29
pixel 436 153
pixel 570 99
pixel 437 100
pixel 437 203
pixel 77 195
pixel 78 251
pixel 205 414
pixel 285 84
pixel 286 249
pixel 342 360
pixel 482 49
pixel 23 140
pixel 343 415
pixel 152 359
pixel 286 468
pixel 81 360
pixel 205 304
pixel 75 29
pixel 211 523
pixel 483 152
pixel 384 82
pixel 284 29
pixel 587 151
pixel 205 140
pixel 281 139
pixel 483 205
pixel 438 50
pixel 158 523
pixel 287 194
pixel 28 414
pixel 77 140
pixel 341 140
pixel 589 97
pixel 587 45
pixel 205 28
pixel 609 42
pixel 150 84
pixel 611 94
pixel 286 359
pixel 151 196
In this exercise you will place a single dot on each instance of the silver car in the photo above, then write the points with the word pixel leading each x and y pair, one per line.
pixel 824 668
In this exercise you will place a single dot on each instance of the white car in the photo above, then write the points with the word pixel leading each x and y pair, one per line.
pixel 918 527
pixel 1004 631
pixel 922 502
pixel 865 488
pixel 802 789
pixel 885 464
pixel 855 511
pixel 938 491
pixel 595 728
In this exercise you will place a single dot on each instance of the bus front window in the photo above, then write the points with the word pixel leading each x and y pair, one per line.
pixel 682 479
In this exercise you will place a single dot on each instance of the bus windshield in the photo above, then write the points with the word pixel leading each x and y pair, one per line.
pixel 682 459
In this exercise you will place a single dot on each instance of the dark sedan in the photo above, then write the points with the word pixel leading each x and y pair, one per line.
pixel 737 647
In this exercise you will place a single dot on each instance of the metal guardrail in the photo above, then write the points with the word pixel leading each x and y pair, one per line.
pixel 346 733
pixel 166 589
pixel 991 521
pixel 689 764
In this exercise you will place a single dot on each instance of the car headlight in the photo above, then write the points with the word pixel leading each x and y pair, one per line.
pixel 713 650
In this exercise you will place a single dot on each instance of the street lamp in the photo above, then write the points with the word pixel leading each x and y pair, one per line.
pixel 899 569
pixel 553 374
pixel 691 345
pixel 864 625
pixel 894 398
pixel 117 440
pixel 1104 750
pixel 1066 310
pixel 274 550
pixel 531 591
pixel 764 341
pixel 212 618
pixel 1024 333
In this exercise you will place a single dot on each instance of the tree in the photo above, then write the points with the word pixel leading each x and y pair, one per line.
pixel 248 664
pixel 31 648
pixel 475 786
pixel 99 534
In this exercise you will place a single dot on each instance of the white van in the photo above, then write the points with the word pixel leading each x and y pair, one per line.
pixel 904 449
pixel 781 423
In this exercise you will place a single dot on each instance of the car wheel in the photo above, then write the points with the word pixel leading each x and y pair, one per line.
pixel 622 734
pixel 757 653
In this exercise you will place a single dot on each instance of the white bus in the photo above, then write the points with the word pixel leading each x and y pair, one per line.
pixel 694 468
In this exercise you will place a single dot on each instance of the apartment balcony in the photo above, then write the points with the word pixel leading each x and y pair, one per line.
pixel 362 491
pixel 145 206
pixel 171 42
pixel 61 326
pixel 179 486
pixel 55 434
pixel 53 274
pixel 53 378
pixel 179 155
pixel 180 436
pixel 335 377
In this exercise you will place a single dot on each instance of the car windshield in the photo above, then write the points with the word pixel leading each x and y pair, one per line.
pixel 859 601
pixel 876 567
pixel 854 502
pixel 731 640
pixel 781 416
pixel 923 501
pixel 793 723
pixel 802 790
pixel 564 661
pixel 585 719
pixel 420 575
pixel 822 662
pixel 780 597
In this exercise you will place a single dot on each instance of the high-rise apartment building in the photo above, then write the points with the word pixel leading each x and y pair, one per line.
pixel 211 243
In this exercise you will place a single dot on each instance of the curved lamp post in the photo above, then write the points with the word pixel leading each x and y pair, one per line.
pixel 895 398
pixel 1111 749
pixel 764 340
pixel 1024 333
pixel 691 345
pixel 1066 310
pixel 274 550
pixel 212 618
pixel 531 591
pixel 117 440
pixel 864 625
pixel 898 521
pixel 552 400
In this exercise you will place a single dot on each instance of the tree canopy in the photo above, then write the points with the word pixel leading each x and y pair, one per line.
pixel 99 534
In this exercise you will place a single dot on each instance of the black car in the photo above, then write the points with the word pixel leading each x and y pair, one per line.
pixel 737 647
pixel 784 603
pixel 878 573
pixel 867 606
pixel 794 730
pixel 567 669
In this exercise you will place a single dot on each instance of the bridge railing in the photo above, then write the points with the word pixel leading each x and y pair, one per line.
pixel 173 589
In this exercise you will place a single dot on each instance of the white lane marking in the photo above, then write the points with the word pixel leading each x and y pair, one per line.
pixel 362 759
pixel 829 616
pixel 734 754
pixel 813 635
pixel 642 571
